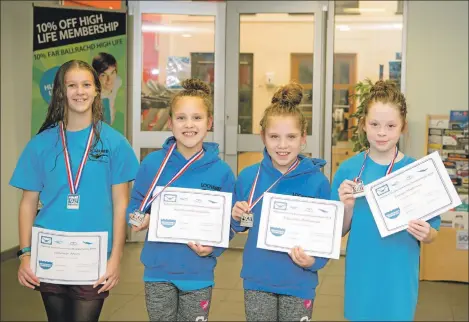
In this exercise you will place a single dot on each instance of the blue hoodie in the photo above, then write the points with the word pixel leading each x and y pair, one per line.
pixel 171 261
pixel 271 271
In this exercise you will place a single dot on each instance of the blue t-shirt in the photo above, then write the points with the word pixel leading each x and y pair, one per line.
pixel 381 274
pixel 41 167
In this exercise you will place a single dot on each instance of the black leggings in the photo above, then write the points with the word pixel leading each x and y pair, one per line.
pixel 62 308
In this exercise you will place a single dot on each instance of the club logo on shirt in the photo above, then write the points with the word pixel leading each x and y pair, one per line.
pixel 210 186
pixel 300 195
pixel 99 155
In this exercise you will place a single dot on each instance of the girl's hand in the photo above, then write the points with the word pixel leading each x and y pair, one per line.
pixel 200 250
pixel 26 276
pixel 144 225
pixel 420 229
pixel 110 278
pixel 239 209
pixel 300 258
pixel 346 193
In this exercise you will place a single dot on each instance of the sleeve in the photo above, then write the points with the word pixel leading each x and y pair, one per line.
pixel 124 163
pixel 228 186
pixel 435 222
pixel 140 188
pixel 318 264
pixel 339 177
pixel 237 196
pixel 28 173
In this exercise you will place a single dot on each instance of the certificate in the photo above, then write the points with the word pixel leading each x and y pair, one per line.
pixel 313 224
pixel 421 190
pixel 181 215
pixel 60 257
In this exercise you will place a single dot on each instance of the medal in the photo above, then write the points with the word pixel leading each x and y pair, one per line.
pixel 136 217
pixel 73 198
pixel 359 188
pixel 247 219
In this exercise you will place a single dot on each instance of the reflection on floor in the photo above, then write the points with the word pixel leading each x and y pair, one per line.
pixel 438 301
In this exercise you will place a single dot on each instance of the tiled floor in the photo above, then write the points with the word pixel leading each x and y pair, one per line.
pixel 438 301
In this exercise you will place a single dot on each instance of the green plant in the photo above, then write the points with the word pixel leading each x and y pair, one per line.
pixel 362 91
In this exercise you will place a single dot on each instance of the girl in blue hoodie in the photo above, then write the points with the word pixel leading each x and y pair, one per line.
pixel 179 279
pixel 279 286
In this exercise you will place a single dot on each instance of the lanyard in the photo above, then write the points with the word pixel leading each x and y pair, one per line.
pixel 388 170
pixel 73 185
pixel 253 188
pixel 147 201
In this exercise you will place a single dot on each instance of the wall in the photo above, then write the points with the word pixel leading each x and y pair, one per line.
pixel 437 64
pixel 16 89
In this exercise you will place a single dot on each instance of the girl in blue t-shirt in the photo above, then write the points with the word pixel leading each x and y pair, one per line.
pixel 381 274
pixel 279 286
pixel 79 168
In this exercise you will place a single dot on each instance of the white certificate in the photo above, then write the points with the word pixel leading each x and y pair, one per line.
pixel 313 224
pixel 180 215
pixel 421 190
pixel 60 257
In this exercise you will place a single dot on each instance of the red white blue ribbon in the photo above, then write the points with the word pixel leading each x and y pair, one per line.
pixel 73 185
pixel 252 204
pixel 388 170
pixel 147 201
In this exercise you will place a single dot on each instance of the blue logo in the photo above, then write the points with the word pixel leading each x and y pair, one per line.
pixel 45 264
pixel 393 213
pixel 277 231
pixel 47 82
pixel 168 223
pixel 87 243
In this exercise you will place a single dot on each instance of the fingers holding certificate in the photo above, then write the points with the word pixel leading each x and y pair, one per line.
pixel 180 215
pixel 287 222
pixel 419 191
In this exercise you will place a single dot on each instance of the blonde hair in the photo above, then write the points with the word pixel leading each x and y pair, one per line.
pixel 195 88
pixel 285 103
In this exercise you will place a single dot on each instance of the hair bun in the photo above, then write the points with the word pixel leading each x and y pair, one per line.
pixel 289 95
pixel 383 86
pixel 194 84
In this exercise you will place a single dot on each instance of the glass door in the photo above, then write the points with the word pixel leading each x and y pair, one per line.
pixel 268 44
pixel 173 41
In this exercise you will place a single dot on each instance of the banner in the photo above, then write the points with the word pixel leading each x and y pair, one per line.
pixel 96 37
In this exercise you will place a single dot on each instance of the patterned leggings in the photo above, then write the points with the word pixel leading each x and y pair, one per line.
pixel 264 306
pixel 165 302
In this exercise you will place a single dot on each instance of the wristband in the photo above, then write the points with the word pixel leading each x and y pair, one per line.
pixel 23 251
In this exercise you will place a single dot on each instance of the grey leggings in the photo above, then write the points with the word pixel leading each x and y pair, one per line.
pixel 264 306
pixel 165 302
